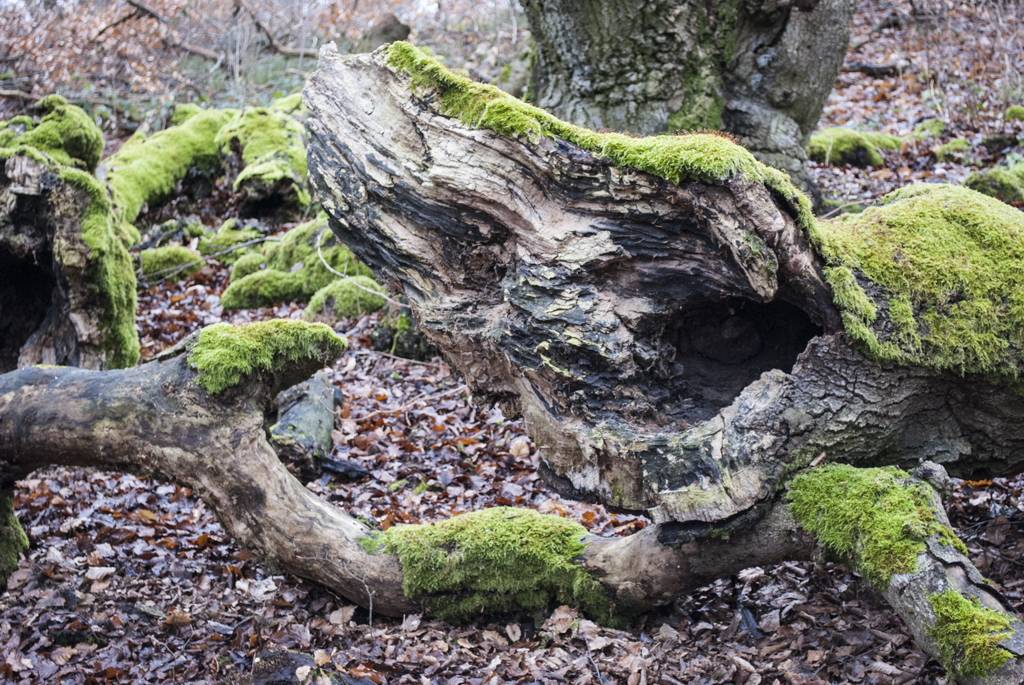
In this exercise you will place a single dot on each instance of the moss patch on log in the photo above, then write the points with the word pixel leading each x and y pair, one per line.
pixel 839 145
pixel 875 521
pixel 1002 183
pixel 968 634
pixel 223 354
pixel 158 263
pixel 231 233
pixel 953 150
pixel 1015 113
pixel 146 170
pixel 932 277
pixel 494 561
pixel 345 297
pixel 264 146
pixel 707 157
pixel 291 269
pixel 930 128
pixel 65 133
pixel 13 540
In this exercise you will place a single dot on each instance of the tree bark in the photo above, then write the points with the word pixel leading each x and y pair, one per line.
pixel 761 71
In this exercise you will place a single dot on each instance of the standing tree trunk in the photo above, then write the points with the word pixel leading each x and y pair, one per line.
pixel 760 71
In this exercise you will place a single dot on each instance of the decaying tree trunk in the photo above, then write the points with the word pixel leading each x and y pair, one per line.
pixel 673 346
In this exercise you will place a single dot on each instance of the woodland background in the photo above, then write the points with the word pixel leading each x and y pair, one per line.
pixel 130 580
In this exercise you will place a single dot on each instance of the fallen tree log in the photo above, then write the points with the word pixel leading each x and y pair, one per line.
pixel 197 416
pixel 680 334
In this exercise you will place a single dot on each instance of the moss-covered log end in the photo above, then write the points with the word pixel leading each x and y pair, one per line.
pixel 13 540
pixel 839 145
pixel 876 521
pixel 293 350
pixel 496 560
pixel 932 278
pixel 1002 183
pixel 968 634
pixel 65 133
pixel 158 263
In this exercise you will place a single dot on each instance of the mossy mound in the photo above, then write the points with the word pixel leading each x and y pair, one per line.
pixel 930 128
pixel 840 145
pixel 291 269
pixel 345 297
pixel 146 170
pixel 492 561
pixel 290 104
pixel 932 278
pixel 707 157
pixel 158 263
pixel 223 354
pixel 968 634
pixel 65 133
pixel 1015 113
pixel 953 151
pixel 183 112
pixel 13 540
pixel 265 149
pixel 875 521
pixel 231 233
pixel 1002 183
pixel 173 231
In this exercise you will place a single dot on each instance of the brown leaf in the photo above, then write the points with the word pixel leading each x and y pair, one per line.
pixel 514 632
pixel 561 619
pixel 342 616
pixel 321 658
pixel 177 618
pixel 99 572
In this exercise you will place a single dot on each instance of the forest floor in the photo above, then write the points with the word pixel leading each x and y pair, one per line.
pixel 131 580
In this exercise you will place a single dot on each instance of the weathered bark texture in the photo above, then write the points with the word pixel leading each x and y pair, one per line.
pixel 761 71
pixel 51 311
pixel 672 347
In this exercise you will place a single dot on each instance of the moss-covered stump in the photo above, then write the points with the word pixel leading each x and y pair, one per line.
pixel 146 170
pixel 168 263
pixel 291 270
pixel 953 151
pixel 13 540
pixel 264 152
pixel 1002 183
pixel 1015 113
pixel 345 297
pixel 930 128
pixel 932 278
pixel 838 145
pixel 67 289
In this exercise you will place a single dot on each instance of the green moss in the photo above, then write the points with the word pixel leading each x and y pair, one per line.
pixel 968 634
pixel 183 112
pixel 65 133
pixel 110 270
pixel 290 104
pixel 931 128
pixel 13 540
pixel 875 521
pixel 494 560
pixel 228 235
pixel 1015 113
pixel 420 488
pixel 291 269
pixel 693 157
pixel 953 150
pixel 1002 183
pixel 146 170
pixel 344 297
pixel 225 353
pixel 932 278
pixel 159 260
pixel 272 148
pixel 840 145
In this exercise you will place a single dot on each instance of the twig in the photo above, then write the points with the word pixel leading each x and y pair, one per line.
pixel 275 44
pixel 348 278
pixel 838 209
pixel 593 662
pixel 18 95
pixel 127 17
pixel 171 270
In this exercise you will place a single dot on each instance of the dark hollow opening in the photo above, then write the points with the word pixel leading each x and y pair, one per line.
pixel 25 291
pixel 722 347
